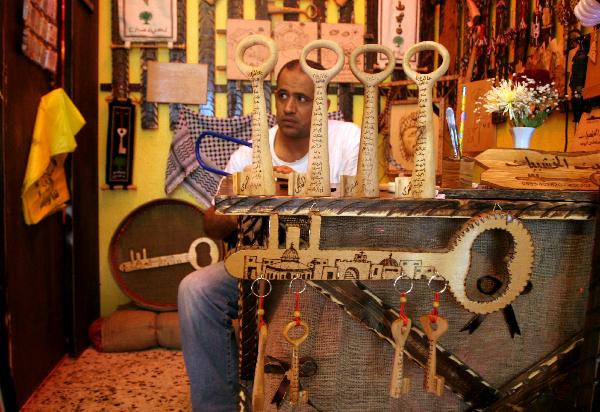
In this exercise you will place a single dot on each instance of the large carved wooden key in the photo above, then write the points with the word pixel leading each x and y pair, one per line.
pixel 260 179
pixel 366 182
pixel 423 175
pixel 399 384
pixel 317 175
pixel 297 397
pixel 452 262
pixel 433 383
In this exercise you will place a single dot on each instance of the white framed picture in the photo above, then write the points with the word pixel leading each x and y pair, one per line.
pixel 398 27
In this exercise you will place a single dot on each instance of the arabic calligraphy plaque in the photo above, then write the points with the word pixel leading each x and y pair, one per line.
pixel 533 169
pixel 587 134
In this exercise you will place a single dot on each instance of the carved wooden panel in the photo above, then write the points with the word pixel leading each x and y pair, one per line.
pixel 291 37
pixel 238 29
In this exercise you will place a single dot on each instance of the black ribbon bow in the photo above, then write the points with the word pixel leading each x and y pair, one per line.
pixel 308 367
pixel 488 285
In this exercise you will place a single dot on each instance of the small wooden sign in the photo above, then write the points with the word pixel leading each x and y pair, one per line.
pixel 479 131
pixel 177 83
pixel 533 169
pixel 592 74
pixel 587 134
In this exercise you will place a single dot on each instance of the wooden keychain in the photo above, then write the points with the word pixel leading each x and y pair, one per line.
pixel 434 326
pixel 297 397
pixel 400 385
pixel 258 387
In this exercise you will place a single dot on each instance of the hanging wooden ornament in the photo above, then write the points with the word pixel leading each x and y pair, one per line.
pixel 119 144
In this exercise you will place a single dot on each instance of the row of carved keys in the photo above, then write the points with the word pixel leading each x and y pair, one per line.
pixel 434 326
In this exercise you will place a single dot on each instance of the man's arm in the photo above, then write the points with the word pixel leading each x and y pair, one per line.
pixel 219 226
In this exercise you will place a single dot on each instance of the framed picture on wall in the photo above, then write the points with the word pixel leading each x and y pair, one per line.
pixel 402 135
pixel 398 29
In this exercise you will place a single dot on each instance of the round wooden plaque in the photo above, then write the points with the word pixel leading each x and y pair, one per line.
pixel 155 247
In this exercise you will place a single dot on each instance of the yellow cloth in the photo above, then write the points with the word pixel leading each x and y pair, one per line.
pixel 45 185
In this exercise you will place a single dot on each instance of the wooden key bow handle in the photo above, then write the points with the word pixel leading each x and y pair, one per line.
pixel 434 75
pixel 320 76
pixel 256 72
pixel 372 79
pixel 295 341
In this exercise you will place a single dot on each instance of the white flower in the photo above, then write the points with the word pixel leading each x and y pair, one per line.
pixel 525 103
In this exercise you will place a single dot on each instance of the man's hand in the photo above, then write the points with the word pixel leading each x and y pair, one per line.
pixel 283 169
pixel 218 226
pixel 278 169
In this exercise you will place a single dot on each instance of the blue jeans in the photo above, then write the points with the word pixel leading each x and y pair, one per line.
pixel 207 302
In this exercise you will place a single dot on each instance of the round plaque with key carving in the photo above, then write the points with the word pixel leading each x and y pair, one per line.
pixel 155 247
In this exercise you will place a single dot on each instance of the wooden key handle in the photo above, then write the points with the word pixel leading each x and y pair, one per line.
pixel 372 79
pixel 327 74
pixel 214 251
pixel 434 75
pixel 256 72
pixel 434 334
pixel 295 341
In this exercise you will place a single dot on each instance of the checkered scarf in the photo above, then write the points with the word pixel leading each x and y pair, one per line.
pixel 182 167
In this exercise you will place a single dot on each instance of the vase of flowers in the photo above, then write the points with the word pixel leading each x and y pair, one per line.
pixel 527 101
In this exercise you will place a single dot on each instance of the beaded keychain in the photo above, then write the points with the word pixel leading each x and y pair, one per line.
pixel 258 388
pixel 400 385
pixel 297 397
pixel 434 383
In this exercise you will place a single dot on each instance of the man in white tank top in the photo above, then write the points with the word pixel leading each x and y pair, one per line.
pixel 207 298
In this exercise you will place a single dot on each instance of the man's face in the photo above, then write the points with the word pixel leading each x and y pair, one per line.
pixel 294 101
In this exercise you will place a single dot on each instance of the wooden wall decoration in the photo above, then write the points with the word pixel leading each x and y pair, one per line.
pixel 235 100
pixel 291 37
pixel 587 134
pixel 402 135
pixel 592 74
pixel 206 51
pixel 143 21
pixel 480 132
pixel 176 83
pixel 348 36
pixel 175 40
pixel 120 144
pixel 178 55
pixel 238 29
pixel 345 101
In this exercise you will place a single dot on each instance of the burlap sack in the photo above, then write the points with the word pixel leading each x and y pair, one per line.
pixel 131 330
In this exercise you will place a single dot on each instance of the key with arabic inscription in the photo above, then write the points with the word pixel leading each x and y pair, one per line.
pixel 399 384
pixel 297 397
pixel 433 383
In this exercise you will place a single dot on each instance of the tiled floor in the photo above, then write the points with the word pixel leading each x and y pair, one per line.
pixel 152 380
